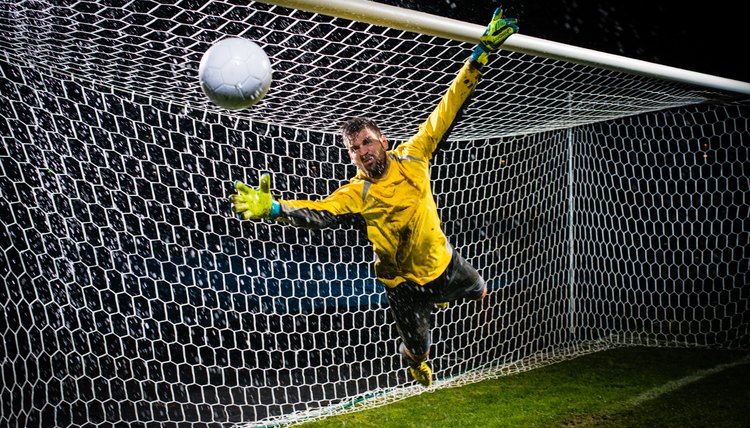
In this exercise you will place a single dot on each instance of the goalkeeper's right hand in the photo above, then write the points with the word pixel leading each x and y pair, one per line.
pixel 498 30
pixel 255 204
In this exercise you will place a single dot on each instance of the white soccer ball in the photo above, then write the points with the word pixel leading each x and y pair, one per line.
pixel 235 73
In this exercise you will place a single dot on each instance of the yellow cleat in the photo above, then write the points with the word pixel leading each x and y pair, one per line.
pixel 422 374
pixel 443 305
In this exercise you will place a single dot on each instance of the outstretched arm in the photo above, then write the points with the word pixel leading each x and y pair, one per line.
pixel 259 204
pixel 439 123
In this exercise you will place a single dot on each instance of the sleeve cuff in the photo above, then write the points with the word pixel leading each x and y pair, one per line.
pixel 275 209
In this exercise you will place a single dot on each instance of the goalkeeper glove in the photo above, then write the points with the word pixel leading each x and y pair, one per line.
pixel 255 204
pixel 498 30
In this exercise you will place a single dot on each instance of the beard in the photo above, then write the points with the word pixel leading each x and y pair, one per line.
pixel 378 168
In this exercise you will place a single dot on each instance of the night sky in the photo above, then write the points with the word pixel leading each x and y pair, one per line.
pixel 709 37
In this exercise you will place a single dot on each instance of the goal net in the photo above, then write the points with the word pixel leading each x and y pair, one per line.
pixel 602 208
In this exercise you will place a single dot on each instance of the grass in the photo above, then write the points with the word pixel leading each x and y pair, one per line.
pixel 624 387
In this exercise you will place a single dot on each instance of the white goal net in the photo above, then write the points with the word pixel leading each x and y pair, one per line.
pixel 602 208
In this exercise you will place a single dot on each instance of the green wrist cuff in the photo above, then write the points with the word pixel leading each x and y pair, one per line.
pixel 480 54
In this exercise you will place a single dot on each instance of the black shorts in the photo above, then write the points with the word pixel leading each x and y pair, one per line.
pixel 412 304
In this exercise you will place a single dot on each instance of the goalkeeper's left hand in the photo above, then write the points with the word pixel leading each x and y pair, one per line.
pixel 498 30
pixel 255 204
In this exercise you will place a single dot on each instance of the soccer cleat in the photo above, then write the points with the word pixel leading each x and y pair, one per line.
pixel 422 373
pixel 443 305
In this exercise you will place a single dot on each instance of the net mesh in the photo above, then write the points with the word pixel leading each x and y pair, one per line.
pixel 601 208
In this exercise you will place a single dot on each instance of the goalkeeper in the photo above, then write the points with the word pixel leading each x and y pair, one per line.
pixel 392 192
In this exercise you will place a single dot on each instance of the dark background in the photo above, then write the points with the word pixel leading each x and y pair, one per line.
pixel 707 37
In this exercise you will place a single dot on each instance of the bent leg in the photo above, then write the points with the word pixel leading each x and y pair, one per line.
pixel 412 312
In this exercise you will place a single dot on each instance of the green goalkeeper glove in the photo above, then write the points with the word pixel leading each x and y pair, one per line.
pixel 255 204
pixel 498 30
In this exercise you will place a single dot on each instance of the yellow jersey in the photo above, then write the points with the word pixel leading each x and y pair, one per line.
pixel 398 208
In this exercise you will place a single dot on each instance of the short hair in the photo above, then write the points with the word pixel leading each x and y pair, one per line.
pixel 352 126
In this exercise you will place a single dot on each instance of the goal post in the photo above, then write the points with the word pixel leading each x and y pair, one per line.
pixel 385 15
pixel 603 208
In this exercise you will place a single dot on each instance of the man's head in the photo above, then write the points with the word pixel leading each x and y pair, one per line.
pixel 366 146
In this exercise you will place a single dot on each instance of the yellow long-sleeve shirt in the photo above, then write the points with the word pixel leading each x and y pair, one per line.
pixel 398 208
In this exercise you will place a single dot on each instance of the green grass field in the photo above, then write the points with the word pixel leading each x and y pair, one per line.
pixel 623 387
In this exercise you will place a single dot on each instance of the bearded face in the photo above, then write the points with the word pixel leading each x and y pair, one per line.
pixel 367 149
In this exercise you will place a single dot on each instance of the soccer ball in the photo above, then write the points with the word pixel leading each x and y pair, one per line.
pixel 235 73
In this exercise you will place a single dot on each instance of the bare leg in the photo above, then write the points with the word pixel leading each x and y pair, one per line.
pixel 484 293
